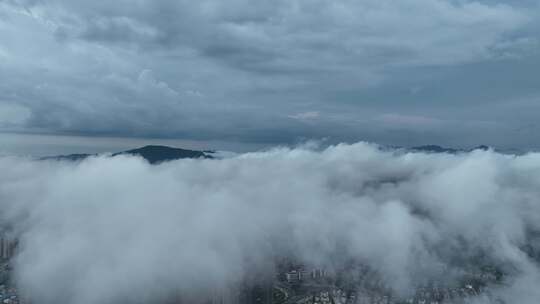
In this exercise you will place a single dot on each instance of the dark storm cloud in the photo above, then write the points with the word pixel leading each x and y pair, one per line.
pixel 250 70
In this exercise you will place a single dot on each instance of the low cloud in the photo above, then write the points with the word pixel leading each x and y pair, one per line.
pixel 310 115
pixel 400 120
pixel 13 115
pixel 118 229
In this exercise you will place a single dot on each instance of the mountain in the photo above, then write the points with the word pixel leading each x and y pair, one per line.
pixel 157 154
pixel 69 157
pixel 153 154
pixel 439 149
pixel 481 147
pixel 434 149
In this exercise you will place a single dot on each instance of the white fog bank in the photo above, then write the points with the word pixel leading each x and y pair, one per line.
pixel 118 229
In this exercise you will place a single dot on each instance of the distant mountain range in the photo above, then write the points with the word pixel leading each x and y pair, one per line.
pixel 439 149
pixel 153 154
pixel 158 154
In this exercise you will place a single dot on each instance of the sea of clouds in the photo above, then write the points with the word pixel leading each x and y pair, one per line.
pixel 115 229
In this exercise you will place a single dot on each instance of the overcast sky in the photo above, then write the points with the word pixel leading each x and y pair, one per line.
pixel 260 73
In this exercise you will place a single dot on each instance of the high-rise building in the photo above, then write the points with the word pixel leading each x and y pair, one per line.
pixel 225 295
pixel 7 247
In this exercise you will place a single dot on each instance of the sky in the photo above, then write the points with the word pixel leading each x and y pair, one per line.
pixel 242 75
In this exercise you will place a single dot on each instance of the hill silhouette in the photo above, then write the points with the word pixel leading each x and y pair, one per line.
pixel 153 154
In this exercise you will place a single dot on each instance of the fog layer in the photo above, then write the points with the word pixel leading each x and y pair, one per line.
pixel 113 229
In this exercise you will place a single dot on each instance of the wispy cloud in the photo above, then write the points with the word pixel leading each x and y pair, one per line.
pixel 310 115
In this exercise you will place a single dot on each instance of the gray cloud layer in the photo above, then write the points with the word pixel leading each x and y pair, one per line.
pixel 391 71
pixel 111 229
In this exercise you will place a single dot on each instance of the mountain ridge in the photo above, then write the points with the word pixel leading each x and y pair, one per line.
pixel 154 154
pixel 439 149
